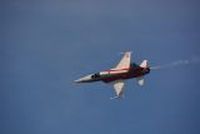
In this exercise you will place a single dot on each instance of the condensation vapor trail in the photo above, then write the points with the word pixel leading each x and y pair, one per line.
pixel 177 63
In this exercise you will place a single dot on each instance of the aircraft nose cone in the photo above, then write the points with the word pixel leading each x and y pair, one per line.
pixel 78 81
pixel 83 79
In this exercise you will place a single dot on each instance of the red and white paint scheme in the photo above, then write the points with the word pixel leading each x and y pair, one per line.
pixel 124 70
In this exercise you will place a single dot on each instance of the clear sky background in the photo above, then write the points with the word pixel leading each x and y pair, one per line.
pixel 46 44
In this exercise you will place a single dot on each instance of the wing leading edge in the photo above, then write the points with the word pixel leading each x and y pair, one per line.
pixel 125 61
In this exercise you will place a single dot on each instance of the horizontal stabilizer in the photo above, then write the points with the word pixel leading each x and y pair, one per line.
pixel 140 81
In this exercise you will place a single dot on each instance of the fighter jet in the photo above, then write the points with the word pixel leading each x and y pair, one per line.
pixel 124 70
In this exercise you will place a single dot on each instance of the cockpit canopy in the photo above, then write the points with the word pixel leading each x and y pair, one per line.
pixel 96 75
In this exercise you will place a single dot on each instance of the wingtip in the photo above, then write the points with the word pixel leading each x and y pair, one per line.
pixel 117 97
pixel 126 52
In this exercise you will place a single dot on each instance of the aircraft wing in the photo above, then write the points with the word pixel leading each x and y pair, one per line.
pixel 125 61
pixel 119 88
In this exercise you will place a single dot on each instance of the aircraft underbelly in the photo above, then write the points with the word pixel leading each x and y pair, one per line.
pixel 128 75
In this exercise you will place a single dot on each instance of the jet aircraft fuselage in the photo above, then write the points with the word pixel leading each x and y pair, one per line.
pixel 111 75
pixel 117 75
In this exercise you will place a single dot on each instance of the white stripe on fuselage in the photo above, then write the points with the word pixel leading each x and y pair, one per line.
pixel 115 71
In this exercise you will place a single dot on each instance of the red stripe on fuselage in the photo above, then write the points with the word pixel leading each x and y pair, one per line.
pixel 132 73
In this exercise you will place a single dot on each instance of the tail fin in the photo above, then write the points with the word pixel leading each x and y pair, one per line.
pixel 144 64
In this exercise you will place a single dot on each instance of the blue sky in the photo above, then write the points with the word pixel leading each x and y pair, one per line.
pixel 47 44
